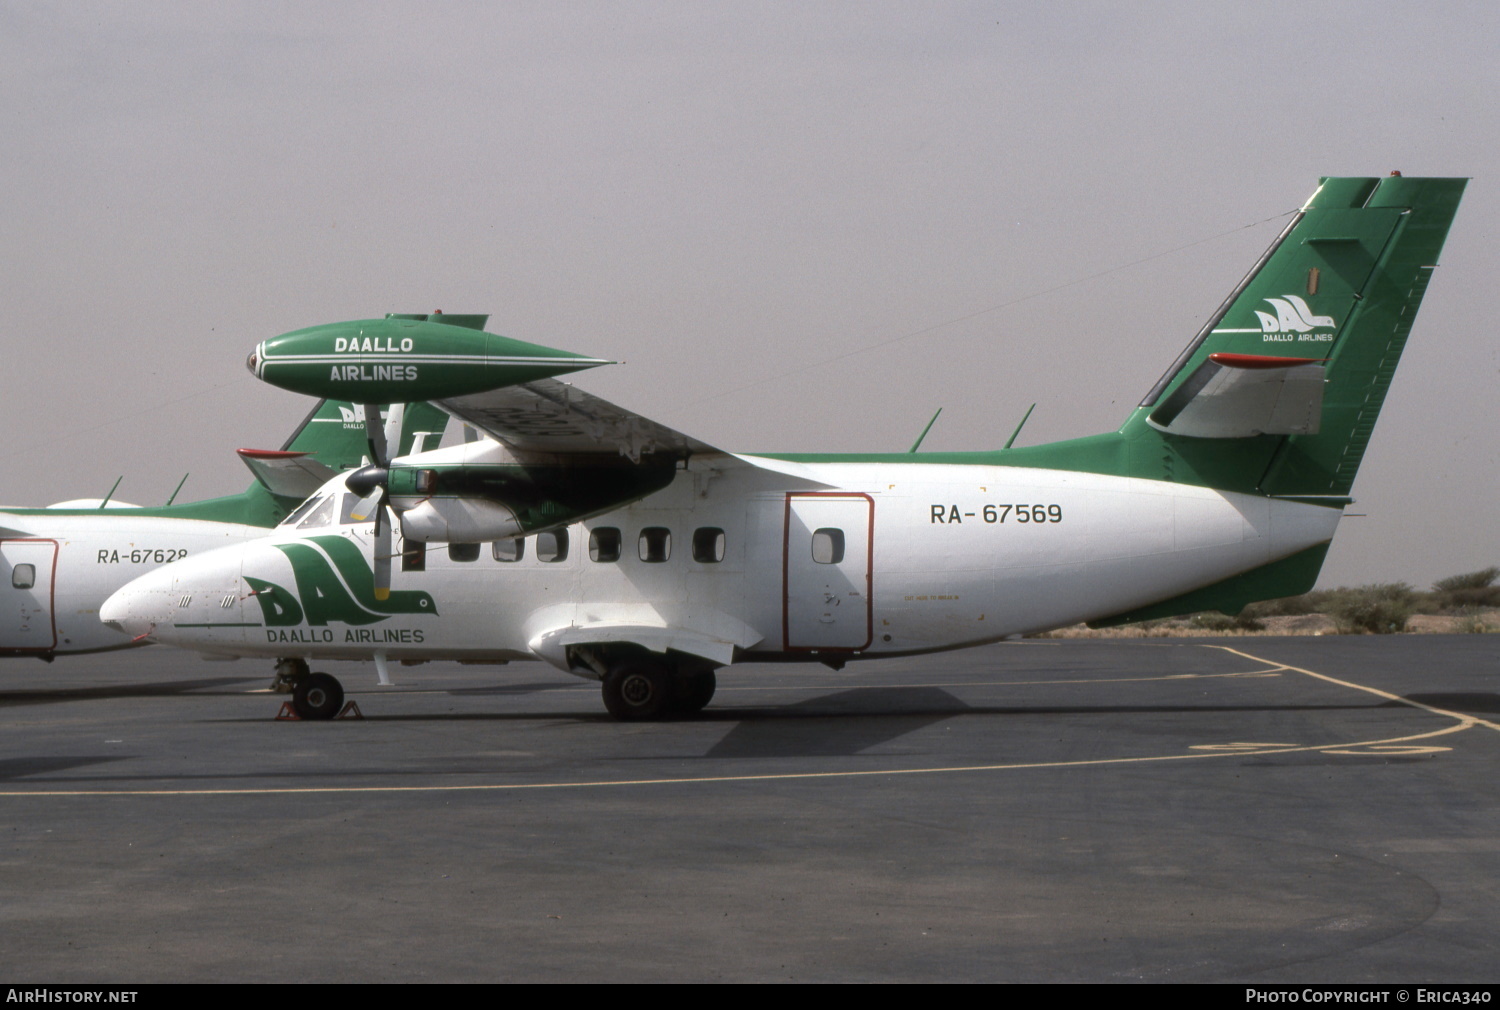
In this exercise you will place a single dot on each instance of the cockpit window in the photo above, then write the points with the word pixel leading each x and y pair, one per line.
pixel 301 511
pixel 348 507
pixel 320 516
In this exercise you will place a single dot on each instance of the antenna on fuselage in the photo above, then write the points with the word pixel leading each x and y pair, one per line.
pixel 105 500
pixel 925 430
pixel 1011 441
pixel 173 496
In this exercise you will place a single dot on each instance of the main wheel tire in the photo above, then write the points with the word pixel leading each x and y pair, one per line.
pixel 317 696
pixel 638 691
pixel 694 693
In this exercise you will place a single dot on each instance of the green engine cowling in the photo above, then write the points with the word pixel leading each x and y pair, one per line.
pixel 477 503
pixel 404 359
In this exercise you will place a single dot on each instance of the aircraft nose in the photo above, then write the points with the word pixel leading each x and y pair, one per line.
pixel 136 608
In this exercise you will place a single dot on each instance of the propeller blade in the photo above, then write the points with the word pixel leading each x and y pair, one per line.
pixel 382 555
pixel 367 506
pixel 375 434
pixel 395 419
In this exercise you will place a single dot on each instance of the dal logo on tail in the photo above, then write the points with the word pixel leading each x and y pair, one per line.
pixel 342 591
pixel 1292 316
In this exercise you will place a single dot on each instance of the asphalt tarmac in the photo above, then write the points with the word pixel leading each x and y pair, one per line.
pixel 1256 810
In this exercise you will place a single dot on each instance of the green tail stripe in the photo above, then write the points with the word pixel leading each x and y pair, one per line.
pixel 1291 576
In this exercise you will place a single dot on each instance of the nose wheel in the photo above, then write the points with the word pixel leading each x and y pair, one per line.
pixel 315 696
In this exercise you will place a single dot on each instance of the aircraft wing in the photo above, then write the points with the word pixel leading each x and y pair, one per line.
pixel 547 416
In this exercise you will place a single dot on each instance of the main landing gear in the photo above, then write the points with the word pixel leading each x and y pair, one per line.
pixel 639 690
pixel 314 695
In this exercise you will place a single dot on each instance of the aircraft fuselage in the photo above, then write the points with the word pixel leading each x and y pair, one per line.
pixel 780 560
pixel 54 579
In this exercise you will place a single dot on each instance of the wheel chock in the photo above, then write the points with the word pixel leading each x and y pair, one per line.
pixel 349 711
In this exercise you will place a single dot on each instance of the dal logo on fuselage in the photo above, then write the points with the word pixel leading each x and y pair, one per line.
pixel 334 583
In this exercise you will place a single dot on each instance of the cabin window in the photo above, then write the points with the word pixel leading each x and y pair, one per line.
pixel 463 552
pixel 509 550
pixel 552 547
pixel 301 510
pixel 413 556
pixel 708 545
pixel 604 544
pixel 828 546
pixel 320 516
pixel 23 576
pixel 656 544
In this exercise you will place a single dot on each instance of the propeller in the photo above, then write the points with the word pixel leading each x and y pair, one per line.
pixel 372 484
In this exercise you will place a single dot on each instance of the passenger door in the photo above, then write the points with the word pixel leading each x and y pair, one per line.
pixel 27 569
pixel 826 564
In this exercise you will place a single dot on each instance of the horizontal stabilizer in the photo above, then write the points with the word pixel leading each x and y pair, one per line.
pixel 1243 395
pixel 7 532
pixel 286 474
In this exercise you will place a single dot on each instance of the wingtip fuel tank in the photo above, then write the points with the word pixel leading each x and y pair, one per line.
pixel 403 359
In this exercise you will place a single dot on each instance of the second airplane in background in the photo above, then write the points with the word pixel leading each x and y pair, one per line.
pixel 59 564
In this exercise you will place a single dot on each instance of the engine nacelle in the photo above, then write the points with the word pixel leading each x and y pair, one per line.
pixel 458 520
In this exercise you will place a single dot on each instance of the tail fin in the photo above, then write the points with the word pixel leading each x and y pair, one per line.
pixel 1286 381
pixel 1279 393
pixel 331 436
pixel 333 433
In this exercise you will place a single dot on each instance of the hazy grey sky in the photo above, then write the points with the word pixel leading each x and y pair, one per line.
pixel 802 226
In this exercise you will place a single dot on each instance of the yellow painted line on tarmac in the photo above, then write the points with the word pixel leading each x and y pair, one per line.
pixel 1199 755
pixel 1466 718
pixel 727 688
pixel 1388 746
pixel 1242 674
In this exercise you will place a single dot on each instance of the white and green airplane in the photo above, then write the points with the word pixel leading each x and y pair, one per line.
pixel 620 550
pixel 60 563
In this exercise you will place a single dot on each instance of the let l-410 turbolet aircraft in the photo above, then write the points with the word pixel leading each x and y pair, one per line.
pixel 59 564
pixel 617 549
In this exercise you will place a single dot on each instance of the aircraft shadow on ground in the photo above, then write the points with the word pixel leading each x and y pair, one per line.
pixel 1475 702
pixel 24 767
pixel 159 689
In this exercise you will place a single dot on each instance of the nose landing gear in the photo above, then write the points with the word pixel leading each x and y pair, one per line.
pixel 315 696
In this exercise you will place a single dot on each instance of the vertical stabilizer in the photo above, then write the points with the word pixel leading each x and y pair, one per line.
pixel 1279 393
pixel 333 433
